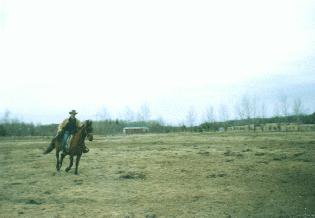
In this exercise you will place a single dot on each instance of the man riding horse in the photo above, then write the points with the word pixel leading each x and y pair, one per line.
pixel 76 145
pixel 67 128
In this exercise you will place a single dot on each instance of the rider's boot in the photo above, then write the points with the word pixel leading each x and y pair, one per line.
pixel 85 149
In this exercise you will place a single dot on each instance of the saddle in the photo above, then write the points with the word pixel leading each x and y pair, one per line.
pixel 67 145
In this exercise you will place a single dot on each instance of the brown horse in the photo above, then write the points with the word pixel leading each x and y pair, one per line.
pixel 75 146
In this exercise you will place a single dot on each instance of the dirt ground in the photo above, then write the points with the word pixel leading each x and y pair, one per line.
pixel 163 175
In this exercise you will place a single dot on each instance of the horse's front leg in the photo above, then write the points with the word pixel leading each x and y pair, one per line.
pixel 77 163
pixel 71 163
pixel 61 159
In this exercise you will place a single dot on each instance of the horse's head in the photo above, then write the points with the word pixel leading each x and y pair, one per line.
pixel 89 129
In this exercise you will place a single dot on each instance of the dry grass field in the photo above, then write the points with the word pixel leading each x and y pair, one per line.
pixel 163 175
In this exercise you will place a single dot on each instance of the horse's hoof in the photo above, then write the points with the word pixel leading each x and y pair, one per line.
pixel 67 169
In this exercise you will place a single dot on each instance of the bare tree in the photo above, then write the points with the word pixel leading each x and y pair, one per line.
pixel 103 114
pixel 254 107
pixel 276 109
pixel 247 108
pixel 284 106
pixel 128 114
pixel 144 112
pixel 223 113
pixel 263 110
pixel 210 116
pixel 297 107
pixel 191 117
pixel 239 112
pixel 160 120
pixel 6 116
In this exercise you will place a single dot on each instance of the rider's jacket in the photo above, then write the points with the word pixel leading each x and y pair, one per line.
pixel 70 125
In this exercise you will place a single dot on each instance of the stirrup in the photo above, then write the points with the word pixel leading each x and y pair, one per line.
pixel 65 149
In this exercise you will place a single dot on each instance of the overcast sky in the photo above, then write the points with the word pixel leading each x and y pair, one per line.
pixel 174 56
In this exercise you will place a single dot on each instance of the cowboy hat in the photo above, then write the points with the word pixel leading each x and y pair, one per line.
pixel 73 112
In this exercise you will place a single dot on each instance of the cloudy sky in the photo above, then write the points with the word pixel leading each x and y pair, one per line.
pixel 173 56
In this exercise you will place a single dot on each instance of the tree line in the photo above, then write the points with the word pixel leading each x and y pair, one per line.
pixel 298 119
pixel 14 127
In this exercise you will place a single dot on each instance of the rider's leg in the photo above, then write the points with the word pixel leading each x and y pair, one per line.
pixel 64 140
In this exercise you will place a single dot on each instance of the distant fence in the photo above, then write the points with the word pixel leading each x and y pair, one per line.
pixel 135 130
pixel 273 127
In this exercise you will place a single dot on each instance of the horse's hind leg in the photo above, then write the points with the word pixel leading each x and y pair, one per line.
pixel 71 163
pixel 77 164
pixel 57 157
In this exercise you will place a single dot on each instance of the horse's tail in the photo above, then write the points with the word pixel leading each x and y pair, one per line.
pixel 51 146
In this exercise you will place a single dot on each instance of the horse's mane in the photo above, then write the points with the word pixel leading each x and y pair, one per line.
pixel 86 124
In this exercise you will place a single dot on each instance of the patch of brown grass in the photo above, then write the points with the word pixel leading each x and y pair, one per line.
pixel 164 175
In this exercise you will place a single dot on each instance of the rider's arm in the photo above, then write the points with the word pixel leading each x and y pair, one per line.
pixel 62 125
pixel 78 123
